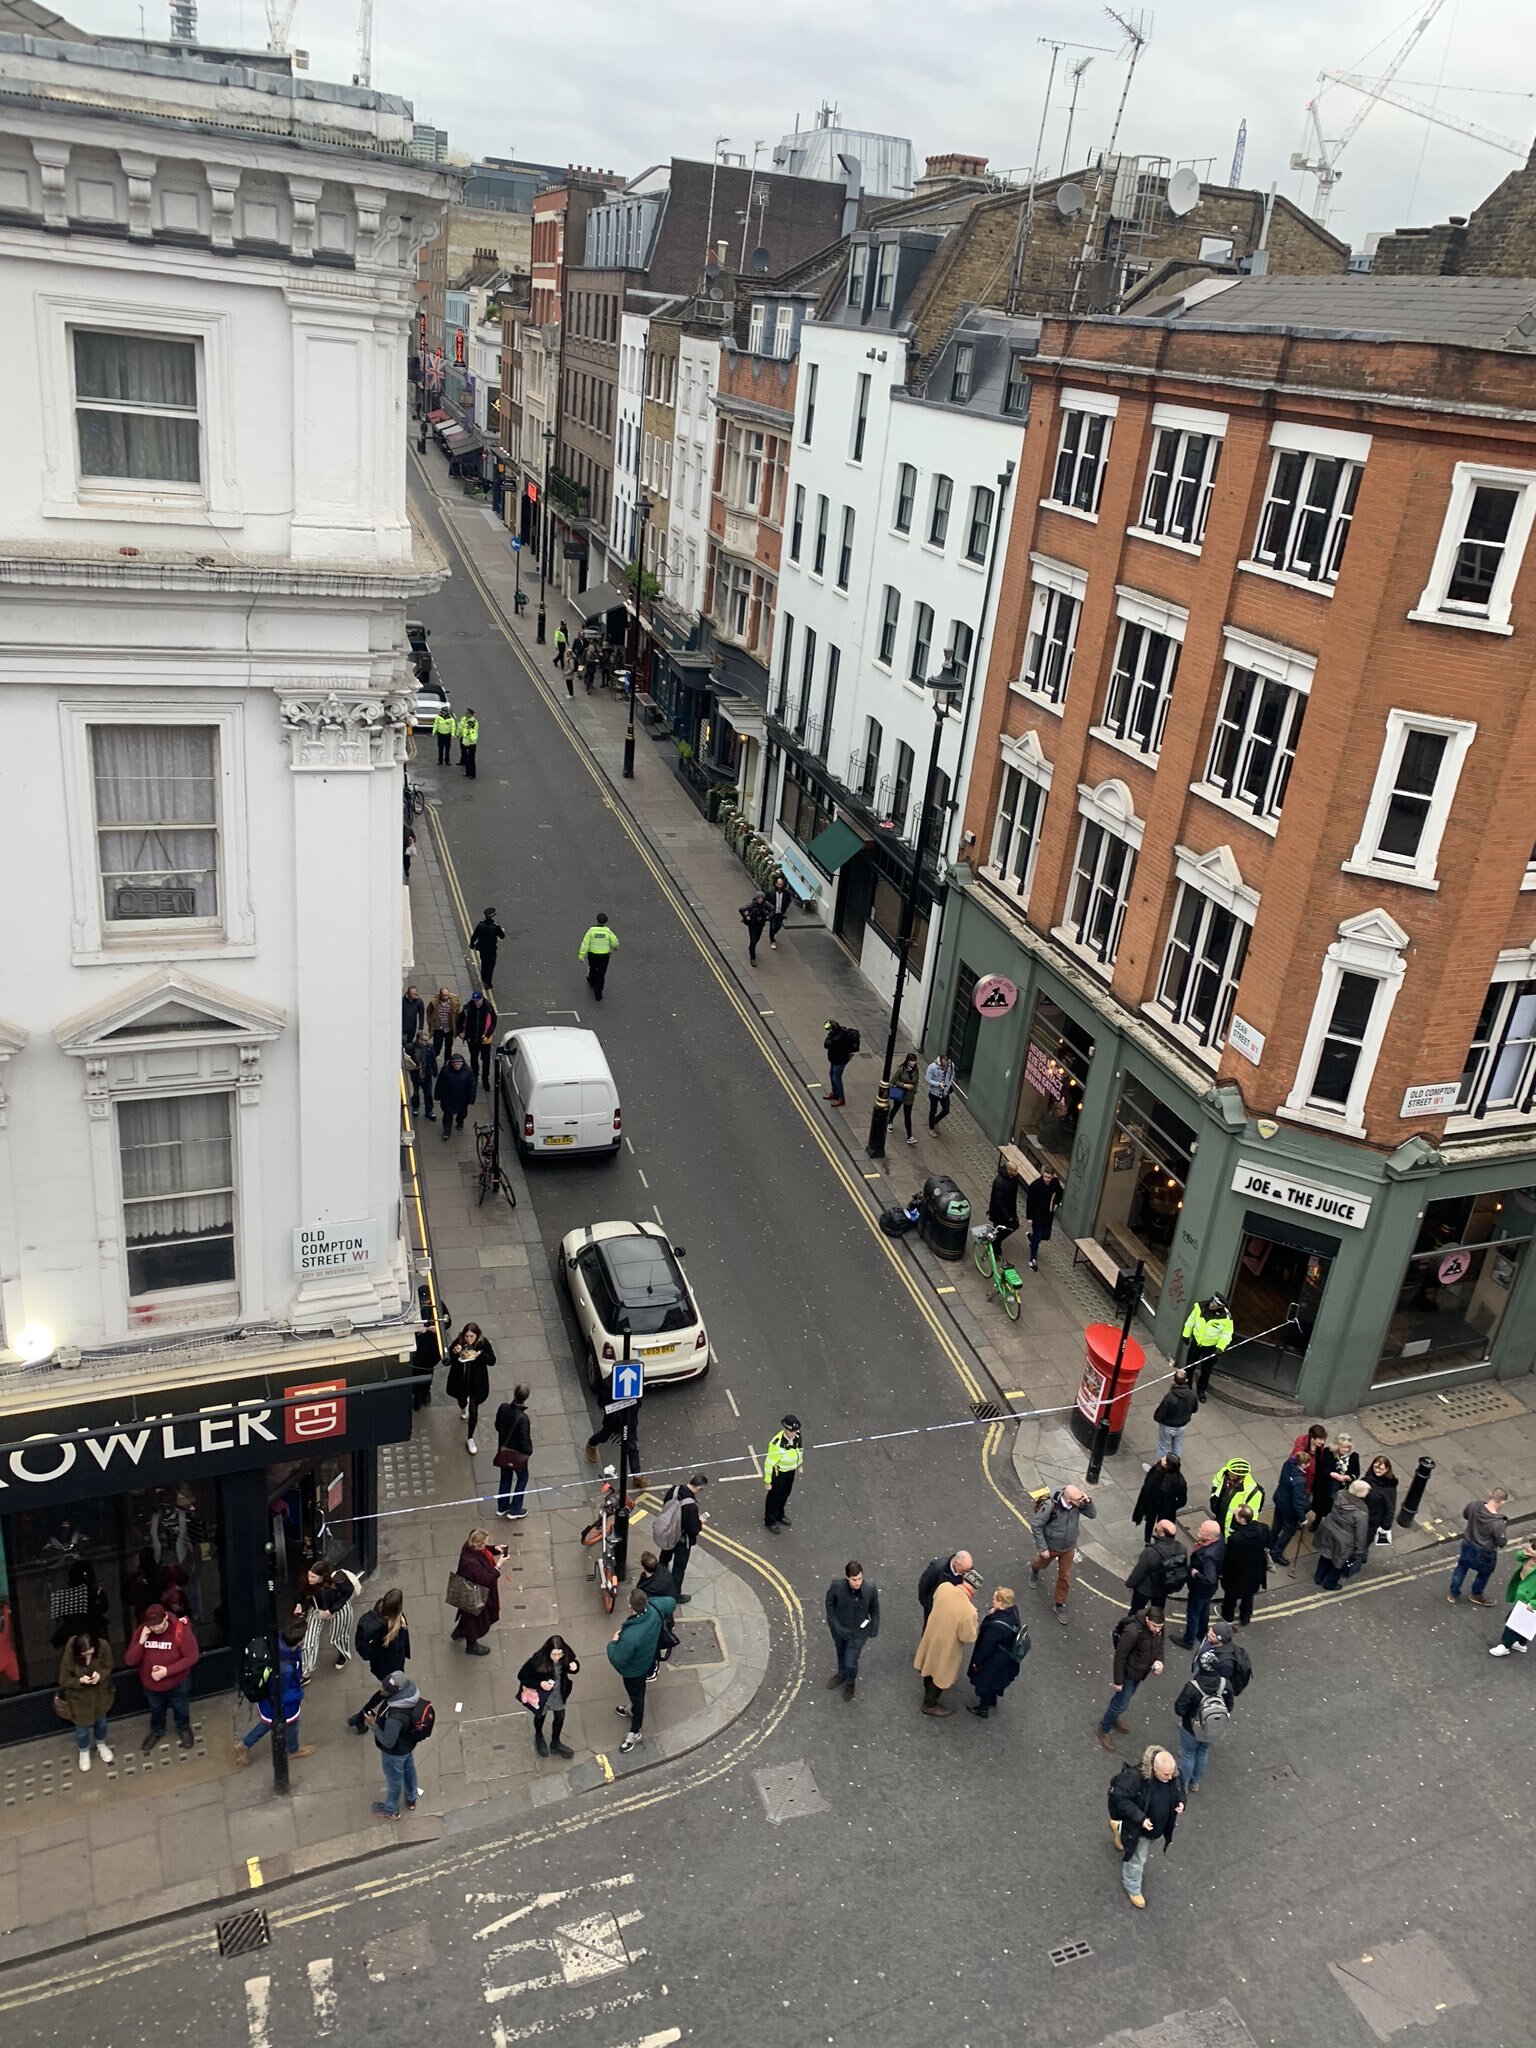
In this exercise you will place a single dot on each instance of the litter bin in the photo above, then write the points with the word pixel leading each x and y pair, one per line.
pixel 1103 1343
pixel 946 1224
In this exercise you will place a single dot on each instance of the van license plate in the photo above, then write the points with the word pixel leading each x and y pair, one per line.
pixel 558 1141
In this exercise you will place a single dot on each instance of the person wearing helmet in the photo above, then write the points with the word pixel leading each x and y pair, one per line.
pixel 1208 1332
pixel 783 1461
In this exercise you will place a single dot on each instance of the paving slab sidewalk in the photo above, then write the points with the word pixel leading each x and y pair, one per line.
pixel 1038 1362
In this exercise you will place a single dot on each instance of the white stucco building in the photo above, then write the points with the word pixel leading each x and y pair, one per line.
pixel 698 372
pixel 205 568
pixel 634 337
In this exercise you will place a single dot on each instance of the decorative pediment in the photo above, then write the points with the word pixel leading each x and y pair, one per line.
pixel 164 1009
pixel 12 1039
pixel 1023 750
pixel 1374 928
pixel 1217 875
pixel 1112 806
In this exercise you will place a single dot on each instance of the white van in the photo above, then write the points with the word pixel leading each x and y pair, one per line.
pixel 559 1092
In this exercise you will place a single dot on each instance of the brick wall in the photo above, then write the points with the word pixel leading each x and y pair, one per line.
pixel 1497 240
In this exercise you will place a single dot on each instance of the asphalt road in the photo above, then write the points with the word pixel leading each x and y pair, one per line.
pixel 1364 1823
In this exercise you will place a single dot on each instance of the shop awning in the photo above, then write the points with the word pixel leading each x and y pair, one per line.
pixel 804 880
pixel 837 844
pixel 597 604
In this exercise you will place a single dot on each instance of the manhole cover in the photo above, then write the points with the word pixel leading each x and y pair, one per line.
pixel 1402 1984
pixel 242 1933
pixel 698 1642
pixel 1069 1952
pixel 1210 2026
pixel 1430 1415
pixel 789 1791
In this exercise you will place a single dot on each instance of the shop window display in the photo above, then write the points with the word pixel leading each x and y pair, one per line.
pixel 1056 1060
pixel 1143 1187
pixel 1458 1284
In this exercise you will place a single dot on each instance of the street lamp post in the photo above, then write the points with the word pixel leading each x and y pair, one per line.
pixel 947 687
pixel 544 526
pixel 642 516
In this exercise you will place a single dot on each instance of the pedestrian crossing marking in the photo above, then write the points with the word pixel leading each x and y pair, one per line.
pixel 503 2036
pixel 258 2011
pixel 322 1993
pixel 583 1949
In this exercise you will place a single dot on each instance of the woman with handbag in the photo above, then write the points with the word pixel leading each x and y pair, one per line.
pixel 326 1596
pixel 474 1588
pixel 470 1359
pixel 544 1686
pixel 86 1695
pixel 384 1641
pixel 514 1447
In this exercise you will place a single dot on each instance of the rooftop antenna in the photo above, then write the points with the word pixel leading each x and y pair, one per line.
pixel 1075 72
pixel 1135 32
pixel 1027 219
pixel 757 150
pixel 1238 153
pixel 709 225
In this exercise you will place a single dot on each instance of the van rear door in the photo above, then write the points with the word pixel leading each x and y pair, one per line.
pixel 598 1104
pixel 556 1109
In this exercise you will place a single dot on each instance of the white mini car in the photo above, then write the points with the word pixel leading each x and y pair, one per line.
pixel 628 1272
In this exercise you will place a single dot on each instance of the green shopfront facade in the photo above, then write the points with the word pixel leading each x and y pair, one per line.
pixel 1360 1276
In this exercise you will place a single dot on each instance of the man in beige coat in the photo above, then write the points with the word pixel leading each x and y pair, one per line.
pixel 941 1655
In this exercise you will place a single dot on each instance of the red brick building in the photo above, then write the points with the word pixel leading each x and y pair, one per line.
pixel 1252 814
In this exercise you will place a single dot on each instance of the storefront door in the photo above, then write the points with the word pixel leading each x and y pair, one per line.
pixel 964 1026
pixel 1142 1191
pixel 1275 1297
pixel 855 891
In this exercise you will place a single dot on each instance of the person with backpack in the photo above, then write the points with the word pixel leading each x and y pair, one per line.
pixel 404 1720
pixel 1161 1570
pixel 781 1468
pixel 290 1667
pixel 940 1077
pixel 1245 1567
pixel 1003 1204
pixel 1164 1491
pixel 676 1527
pixel 1055 1528
pixel 421 1075
pixel 1343 1537
pixel 657 1583
pixel 1204 1708
pixel 544 1687
pixel 754 916
pixel 840 1044
pixel 1145 1801
pixel 1232 1660
pixel 1174 1413
pixel 383 1641
pixel 514 1449
pixel 1202 1580
pixel 1002 1644
pixel 1138 1641
pixel 477 1028
pixel 632 1653
pixel 853 1619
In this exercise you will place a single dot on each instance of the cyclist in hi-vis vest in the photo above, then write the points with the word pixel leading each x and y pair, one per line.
pixel 1208 1333
pixel 783 1461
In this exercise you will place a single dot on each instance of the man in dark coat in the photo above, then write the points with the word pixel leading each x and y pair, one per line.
pixel 853 1618
pixel 421 1072
pixel 780 901
pixel 1145 1801
pixel 754 916
pixel 484 940
pixel 1293 1503
pixel 1040 1206
pixel 1161 1570
pixel 993 1666
pixel 1245 1567
pixel 413 1015
pixel 943 1571
pixel 1003 1204
pixel 1204 1578
pixel 477 1028
pixel 1163 1492
pixel 1174 1413
pixel 840 1045
pixel 454 1093
pixel 1138 1640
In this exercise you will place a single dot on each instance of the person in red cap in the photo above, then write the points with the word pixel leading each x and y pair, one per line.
pixel 163 1650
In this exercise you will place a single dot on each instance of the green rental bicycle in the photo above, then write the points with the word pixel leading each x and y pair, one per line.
pixel 1004 1279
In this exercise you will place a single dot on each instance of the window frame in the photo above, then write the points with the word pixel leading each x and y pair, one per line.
pixel 1313 445
pixel 1513 983
pixel 940 502
pixel 874 745
pixel 1016 389
pixel 962 375
pixel 906 497
pixel 1053 584
pixel 1075 408
pixel 797 524
pixel 819 542
pixel 979 523
pixel 1401 726
pixel 783 334
pixel 1174 431
pixel 1271 668
pixel 890 622
pixel 1130 690
pixel 860 418
pixel 1435 606
pixel 199 1292
pixel 902 773
pixel 757 322
pixel 1213 883
pixel 887 261
pixel 808 410
pixel 858 274
pixel 1371 946
pixel 845 550
pixel 1023 759
pixel 1109 810
pixel 917 670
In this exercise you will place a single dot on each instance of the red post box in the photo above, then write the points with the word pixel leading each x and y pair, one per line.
pixel 1103 1342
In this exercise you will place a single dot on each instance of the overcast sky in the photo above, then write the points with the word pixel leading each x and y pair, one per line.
pixel 590 81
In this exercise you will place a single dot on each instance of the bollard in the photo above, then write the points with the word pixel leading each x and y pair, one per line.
pixel 1415 1493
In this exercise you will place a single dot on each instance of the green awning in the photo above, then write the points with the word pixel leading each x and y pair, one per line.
pixel 831 848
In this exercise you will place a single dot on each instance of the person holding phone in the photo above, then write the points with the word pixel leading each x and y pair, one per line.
pixel 480 1562
pixel 544 1687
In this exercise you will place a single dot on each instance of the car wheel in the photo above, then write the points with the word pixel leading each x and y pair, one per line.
pixel 594 1371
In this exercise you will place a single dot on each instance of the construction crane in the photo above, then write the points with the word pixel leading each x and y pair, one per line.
pixel 1324 163
pixel 280 15
pixel 280 26
pixel 364 73
pixel 1377 89
pixel 1239 151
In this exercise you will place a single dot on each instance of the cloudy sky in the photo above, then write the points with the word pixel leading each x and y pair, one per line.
pixel 591 81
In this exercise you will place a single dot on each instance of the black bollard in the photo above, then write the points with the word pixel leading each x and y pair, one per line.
pixel 1415 1493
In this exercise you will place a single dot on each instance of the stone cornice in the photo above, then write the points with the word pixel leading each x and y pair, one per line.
pixel 417 578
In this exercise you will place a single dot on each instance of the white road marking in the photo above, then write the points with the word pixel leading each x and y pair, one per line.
pixel 631 1144
pixel 533 1901
pixel 503 2036
pixel 322 1993
pixel 732 1399
pixel 643 1181
pixel 658 1215
pixel 584 1949
pixel 664 2040
pixel 258 2011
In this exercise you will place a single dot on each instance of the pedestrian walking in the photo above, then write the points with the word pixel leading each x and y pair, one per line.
pixel 853 1618
pixel 570 682
pixel 1002 1643
pixel 443 1016
pixel 325 1601
pixel 613 1425
pixel 404 1720
pixel 454 1093
pixel 413 1015
pixel 163 1650
pixel 958 1569
pixel 1231 1659
pixel 950 1631
pixel 514 1449
pixel 477 1028
pixel 780 1468
pixel 421 1071
pixel 1204 1576
pixel 677 1526
pixel 1293 1499
pixel 471 1358
pixel 544 1687
pixel 632 1653
pixel 407 849
pixel 1245 1566
pixel 477 1595
pixel 444 726
pixel 86 1694
pixel 1164 1490
pixel 1161 1570
pixel 599 943
pixel 754 916
pixel 1138 1643
pixel 1055 1528
pixel 469 741
pixel 781 900
pixel 589 667
pixel 1343 1537
pixel 1485 1530
pixel 1145 1801
pixel 383 1641
pixel 1174 1413
pixel 1520 1626
pixel 290 1668
pixel 1381 1502
pixel 1003 1204
pixel 562 641
pixel 903 1091
pixel 840 1044
pixel 940 1078
pixel 1040 1206
pixel 1232 1486
pixel 483 942
pixel 1208 1332
pixel 658 1585
pixel 1204 1708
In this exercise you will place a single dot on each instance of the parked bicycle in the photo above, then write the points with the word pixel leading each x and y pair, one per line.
pixel 491 1174
pixel 1007 1282
pixel 415 798
pixel 602 1534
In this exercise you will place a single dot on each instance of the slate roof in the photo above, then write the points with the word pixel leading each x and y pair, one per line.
pixel 1476 312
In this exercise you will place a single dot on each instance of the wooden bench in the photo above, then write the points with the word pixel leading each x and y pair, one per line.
pixel 1090 1252
pixel 1021 1162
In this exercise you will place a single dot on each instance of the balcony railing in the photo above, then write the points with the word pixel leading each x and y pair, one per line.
pixel 569 495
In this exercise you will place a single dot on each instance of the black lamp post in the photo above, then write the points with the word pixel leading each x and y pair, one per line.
pixel 642 517
pixel 544 528
pixel 948 686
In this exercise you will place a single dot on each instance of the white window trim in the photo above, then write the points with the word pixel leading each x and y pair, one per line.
pixel 1288 577
pixel 1165 540
pixel 1111 805
pixel 1022 753
pixel 1189 419
pixel 1209 793
pixel 1157 614
pixel 1089 401
pixel 1372 945
pixel 1297 438
pixel 1432 608
pixel 1288 665
pixel 1421 875
pixel 1217 875
pixel 1515 963
pixel 93 941
pixel 217 500
pixel 1047 573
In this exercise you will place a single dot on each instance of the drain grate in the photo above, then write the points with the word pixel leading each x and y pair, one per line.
pixel 1430 1414
pixel 242 1933
pixel 986 1411
pixel 698 1642
pixel 1069 1952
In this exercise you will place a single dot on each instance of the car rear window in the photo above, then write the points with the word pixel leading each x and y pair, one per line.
pixel 648 1284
